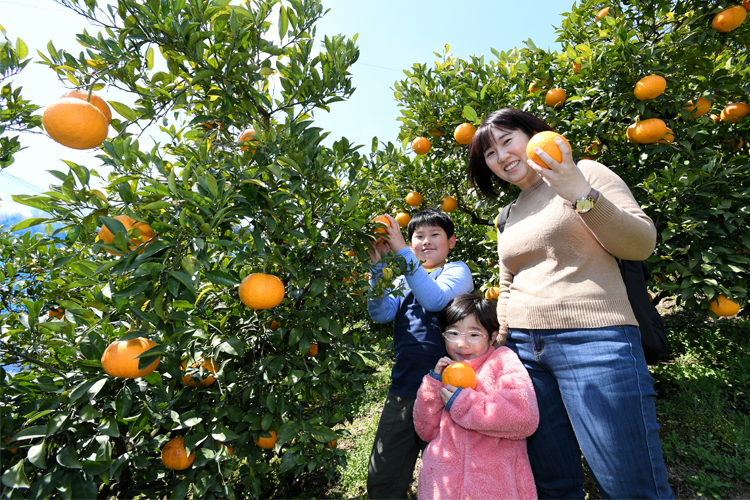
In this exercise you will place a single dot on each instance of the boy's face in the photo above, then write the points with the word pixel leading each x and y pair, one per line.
pixel 431 245
pixel 462 349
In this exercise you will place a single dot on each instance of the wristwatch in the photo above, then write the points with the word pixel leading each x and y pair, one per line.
pixel 583 205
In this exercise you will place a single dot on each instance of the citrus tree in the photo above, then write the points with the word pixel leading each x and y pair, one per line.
pixel 151 257
pixel 690 176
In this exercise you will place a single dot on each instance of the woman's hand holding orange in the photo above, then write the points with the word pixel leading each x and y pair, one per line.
pixel 565 178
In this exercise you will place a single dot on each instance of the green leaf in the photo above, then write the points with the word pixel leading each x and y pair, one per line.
pixel 15 477
pixel 124 403
pixel 233 346
pixel 124 110
pixel 150 58
pixel 317 286
pixel 223 433
pixel 181 490
pixel 34 221
pixel 30 433
pixel 21 49
pixel 470 114
pixel 83 489
pixel 283 22
pixel 67 457
pixel 221 278
pixel 40 202
pixel 288 461
pixel 323 434
pixel 108 427
pixel 37 455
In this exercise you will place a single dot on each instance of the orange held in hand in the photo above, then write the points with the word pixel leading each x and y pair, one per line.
pixel 492 292
pixel 174 455
pixel 545 141
pixel 381 219
pixel 120 359
pixel 261 291
pixel 460 375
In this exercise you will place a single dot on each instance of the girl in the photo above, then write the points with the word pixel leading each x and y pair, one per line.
pixel 565 311
pixel 477 436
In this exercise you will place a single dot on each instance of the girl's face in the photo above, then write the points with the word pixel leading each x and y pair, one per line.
pixel 507 159
pixel 462 349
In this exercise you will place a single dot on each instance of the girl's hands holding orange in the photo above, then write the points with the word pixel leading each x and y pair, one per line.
pixel 564 177
pixel 442 363
pixel 446 393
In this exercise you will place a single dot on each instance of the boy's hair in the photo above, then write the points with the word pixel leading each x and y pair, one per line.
pixel 430 217
pixel 464 305
pixel 507 119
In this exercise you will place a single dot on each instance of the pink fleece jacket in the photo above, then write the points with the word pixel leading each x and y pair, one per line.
pixel 478 449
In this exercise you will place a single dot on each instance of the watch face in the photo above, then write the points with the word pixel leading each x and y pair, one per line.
pixel 583 205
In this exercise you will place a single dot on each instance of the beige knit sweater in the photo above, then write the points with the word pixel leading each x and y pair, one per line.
pixel 558 267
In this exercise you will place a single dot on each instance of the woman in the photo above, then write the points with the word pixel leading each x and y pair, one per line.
pixel 565 311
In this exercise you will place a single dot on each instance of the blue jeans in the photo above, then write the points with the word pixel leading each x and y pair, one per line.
pixel 596 397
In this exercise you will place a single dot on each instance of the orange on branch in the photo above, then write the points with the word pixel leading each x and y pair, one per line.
pixel 647 131
pixel 729 19
pixel 267 443
pixel 536 85
pixel 463 134
pixel 650 87
pixel 577 68
pixel 414 199
pixel 700 108
pixel 146 233
pixel 208 365
pixel 734 112
pixel 332 444
pixel 58 313
pixel 97 101
pixel 668 137
pixel 555 97
pixel 120 359
pixel 174 455
pixel 460 375
pixel 273 325
pixel 75 123
pixel 546 141
pixel 492 292
pixel 449 204
pixel 403 219
pixel 313 351
pixel 601 13
pixel 722 306
pixel 421 145
pixel 228 446
pixel 261 291
pixel 248 136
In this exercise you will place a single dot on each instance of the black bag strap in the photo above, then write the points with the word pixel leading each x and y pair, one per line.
pixel 503 217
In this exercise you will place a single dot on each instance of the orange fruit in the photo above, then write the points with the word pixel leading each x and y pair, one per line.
pixel 463 135
pixel 267 443
pixel 729 19
pixel 546 141
pixel 592 150
pixel 208 365
pixel 97 101
pixel 577 68
pixel 403 219
pixel 106 236
pixel 58 313
pixel 602 13
pixel 414 198
pixel 536 85
pixel 75 123
pixel 734 112
pixel 449 204
pixel 312 351
pixel 174 455
pixel 715 117
pixel 460 375
pixel 248 136
pixel 273 325
pixel 734 143
pixel 722 306
pixel 261 291
pixel 649 87
pixel 746 5
pixel 668 137
pixel 332 444
pixel 120 358
pixel 647 131
pixel 230 450
pixel 421 145
pixel 555 97
pixel 492 292
pixel 382 219
pixel 700 108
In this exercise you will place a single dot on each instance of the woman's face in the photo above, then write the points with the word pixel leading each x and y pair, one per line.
pixel 507 159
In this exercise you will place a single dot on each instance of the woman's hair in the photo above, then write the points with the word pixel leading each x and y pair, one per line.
pixel 464 305
pixel 507 119
pixel 430 217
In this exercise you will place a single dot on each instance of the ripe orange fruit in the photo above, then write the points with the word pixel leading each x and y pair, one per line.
pixel 267 443
pixel 546 141
pixel 492 292
pixel 700 108
pixel 577 68
pixel 602 13
pixel 332 444
pixel 460 375
pixel 668 137
pixel 403 219
pixel 120 358
pixel 312 351
pixel 106 236
pixel 734 143
pixel 715 117
pixel 592 150
pixel 248 136
pixel 449 204
pixel 734 112
pixel 649 87
pixel 208 365
pixel 75 123
pixel 414 198
pixel 536 85
pixel 273 325
pixel 729 19
pixel 382 219
pixel 463 135
pixel 97 101
pixel 261 291
pixel 555 97
pixel 58 313
pixel 647 131
pixel 230 450
pixel 722 306
pixel 746 5
pixel 421 145
pixel 174 455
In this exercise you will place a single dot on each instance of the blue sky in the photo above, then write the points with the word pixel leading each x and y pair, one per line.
pixel 393 35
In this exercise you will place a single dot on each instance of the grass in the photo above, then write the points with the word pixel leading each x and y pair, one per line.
pixel 703 408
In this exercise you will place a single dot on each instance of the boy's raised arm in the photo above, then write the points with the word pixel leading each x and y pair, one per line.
pixel 433 295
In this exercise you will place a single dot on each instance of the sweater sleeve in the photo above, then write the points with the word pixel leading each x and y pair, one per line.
pixel 432 294
pixel 616 220
pixel 510 410
pixel 384 309
pixel 428 409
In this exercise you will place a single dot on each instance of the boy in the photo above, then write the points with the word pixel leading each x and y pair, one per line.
pixel 416 339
